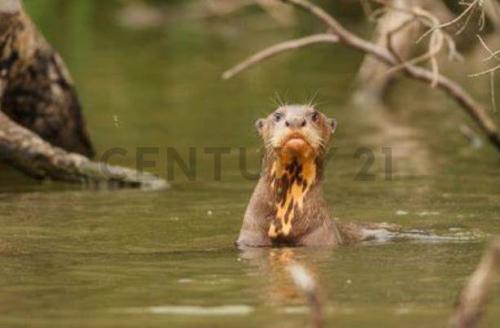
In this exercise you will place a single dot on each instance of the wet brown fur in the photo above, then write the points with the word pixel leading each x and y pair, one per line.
pixel 287 206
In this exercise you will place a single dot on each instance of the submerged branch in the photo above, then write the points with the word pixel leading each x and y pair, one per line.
pixel 305 282
pixel 474 295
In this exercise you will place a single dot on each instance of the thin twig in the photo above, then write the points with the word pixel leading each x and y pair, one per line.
pixel 435 45
pixel 493 54
pixel 491 71
pixel 277 49
pixel 438 40
pixel 467 13
pixel 488 71
pixel 474 296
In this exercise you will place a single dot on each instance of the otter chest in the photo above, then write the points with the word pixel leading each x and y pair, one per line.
pixel 290 184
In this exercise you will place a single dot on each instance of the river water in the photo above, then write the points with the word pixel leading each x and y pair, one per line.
pixel 73 257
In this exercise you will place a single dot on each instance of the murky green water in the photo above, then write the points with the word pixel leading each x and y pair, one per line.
pixel 79 258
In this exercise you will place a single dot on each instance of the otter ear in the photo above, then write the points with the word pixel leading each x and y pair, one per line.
pixel 332 123
pixel 259 125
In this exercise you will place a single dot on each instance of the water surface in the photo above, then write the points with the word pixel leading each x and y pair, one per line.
pixel 70 257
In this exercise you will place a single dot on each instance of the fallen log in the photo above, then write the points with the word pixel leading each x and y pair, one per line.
pixel 27 152
pixel 42 130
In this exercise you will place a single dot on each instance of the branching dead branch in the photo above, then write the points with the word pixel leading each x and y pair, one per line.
pixel 485 8
pixel 465 16
pixel 492 54
pixel 399 25
pixel 438 40
pixel 351 40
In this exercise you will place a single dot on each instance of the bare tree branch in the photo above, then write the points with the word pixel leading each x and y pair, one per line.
pixel 453 89
pixel 277 49
pixel 488 71
pixel 474 295
pixel 492 54
pixel 399 24
pixel 465 15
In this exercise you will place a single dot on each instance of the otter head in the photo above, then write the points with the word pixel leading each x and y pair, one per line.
pixel 296 138
pixel 296 131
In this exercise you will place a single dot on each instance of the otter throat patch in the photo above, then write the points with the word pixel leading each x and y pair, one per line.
pixel 290 182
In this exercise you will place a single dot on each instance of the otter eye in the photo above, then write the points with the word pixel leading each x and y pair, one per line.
pixel 278 117
pixel 315 116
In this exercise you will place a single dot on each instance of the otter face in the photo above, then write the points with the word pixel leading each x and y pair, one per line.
pixel 296 130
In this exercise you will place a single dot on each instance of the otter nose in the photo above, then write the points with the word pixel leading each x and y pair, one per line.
pixel 295 122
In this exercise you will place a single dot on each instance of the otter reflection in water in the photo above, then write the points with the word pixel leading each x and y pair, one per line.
pixel 272 267
pixel 287 206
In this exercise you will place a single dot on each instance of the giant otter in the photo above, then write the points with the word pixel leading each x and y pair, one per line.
pixel 287 206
